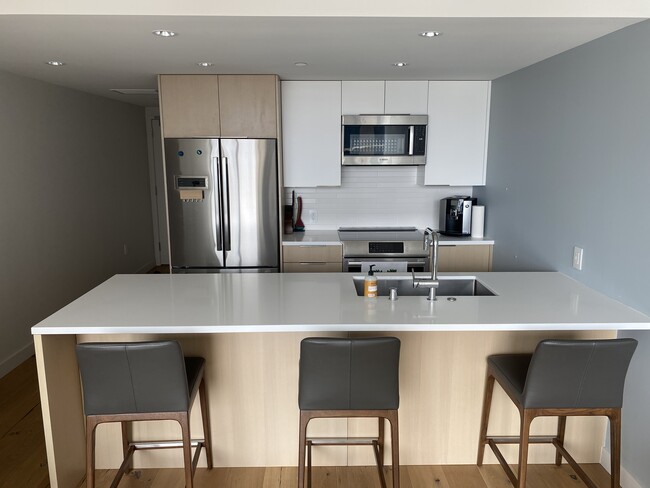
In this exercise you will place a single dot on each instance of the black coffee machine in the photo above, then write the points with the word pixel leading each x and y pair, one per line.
pixel 456 215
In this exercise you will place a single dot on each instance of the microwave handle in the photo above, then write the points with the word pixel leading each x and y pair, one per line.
pixel 411 139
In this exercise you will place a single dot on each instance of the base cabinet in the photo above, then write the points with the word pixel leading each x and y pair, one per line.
pixel 312 259
pixel 475 259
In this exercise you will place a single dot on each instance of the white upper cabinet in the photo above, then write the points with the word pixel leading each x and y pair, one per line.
pixel 406 97
pixel 311 126
pixel 384 97
pixel 457 133
pixel 362 97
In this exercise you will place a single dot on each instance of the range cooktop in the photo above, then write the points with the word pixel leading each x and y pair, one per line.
pixel 385 234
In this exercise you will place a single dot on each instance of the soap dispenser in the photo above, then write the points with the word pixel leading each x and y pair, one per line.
pixel 370 284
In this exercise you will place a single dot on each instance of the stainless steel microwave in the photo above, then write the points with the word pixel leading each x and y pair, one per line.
pixel 375 140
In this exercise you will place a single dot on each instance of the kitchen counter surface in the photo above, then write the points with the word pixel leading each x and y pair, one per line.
pixel 312 238
pixel 305 302
pixel 331 237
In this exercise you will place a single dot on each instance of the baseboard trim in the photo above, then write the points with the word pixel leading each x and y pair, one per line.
pixel 16 358
pixel 146 268
pixel 627 480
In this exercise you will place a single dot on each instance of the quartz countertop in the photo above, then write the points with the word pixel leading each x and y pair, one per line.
pixel 331 237
pixel 318 302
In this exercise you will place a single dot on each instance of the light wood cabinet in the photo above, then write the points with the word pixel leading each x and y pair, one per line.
pixel 312 258
pixel 248 106
pixel 189 105
pixel 311 126
pixel 470 258
pixel 457 133
pixel 219 105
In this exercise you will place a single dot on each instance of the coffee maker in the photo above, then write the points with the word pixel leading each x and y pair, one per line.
pixel 456 215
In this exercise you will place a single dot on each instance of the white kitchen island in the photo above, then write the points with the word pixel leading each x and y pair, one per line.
pixel 249 326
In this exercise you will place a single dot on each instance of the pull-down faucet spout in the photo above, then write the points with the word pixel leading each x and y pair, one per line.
pixel 429 243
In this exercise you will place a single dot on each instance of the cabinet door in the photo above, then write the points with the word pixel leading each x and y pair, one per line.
pixel 476 258
pixel 189 105
pixel 457 133
pixel 362 97
pixel 311 126
pixel 406 97
pixel 248 106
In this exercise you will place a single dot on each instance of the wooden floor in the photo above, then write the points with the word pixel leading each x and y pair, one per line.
pixel 23 463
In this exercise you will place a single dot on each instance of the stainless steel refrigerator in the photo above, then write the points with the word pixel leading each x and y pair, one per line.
pixel 222 201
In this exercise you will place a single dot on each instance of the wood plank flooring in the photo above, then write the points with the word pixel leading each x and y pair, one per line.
pixel 23 462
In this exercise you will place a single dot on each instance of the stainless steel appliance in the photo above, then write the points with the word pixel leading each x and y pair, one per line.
pixel 222 200
pixel 397 249
pixel 383 139
pixel 456 215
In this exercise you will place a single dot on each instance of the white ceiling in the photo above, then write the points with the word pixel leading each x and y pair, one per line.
pixel 104 52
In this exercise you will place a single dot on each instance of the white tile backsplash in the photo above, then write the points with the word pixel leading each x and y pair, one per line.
pixel 370 196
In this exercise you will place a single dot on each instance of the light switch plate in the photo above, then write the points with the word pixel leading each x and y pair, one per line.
pixel 577 258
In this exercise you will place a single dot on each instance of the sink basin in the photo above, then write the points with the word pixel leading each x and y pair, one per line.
pixel 449 286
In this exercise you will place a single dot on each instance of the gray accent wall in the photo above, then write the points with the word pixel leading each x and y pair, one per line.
pixel 569 165
pixel 74 189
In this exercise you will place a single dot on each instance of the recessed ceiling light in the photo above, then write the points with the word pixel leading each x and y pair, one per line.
pixel 204 64
pixel 430 34
pixel 164 33
pixel 300 63
pixel 400 64
pixel 55 63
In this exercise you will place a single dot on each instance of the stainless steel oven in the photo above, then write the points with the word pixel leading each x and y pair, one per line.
pixel 390 249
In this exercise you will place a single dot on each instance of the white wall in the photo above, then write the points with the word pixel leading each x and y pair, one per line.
pixel 373 196
pixel 74 190
pixel 569 165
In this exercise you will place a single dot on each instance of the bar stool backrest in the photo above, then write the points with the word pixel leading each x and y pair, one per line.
pixel 578 373
pixel 137 377
pixel 349 374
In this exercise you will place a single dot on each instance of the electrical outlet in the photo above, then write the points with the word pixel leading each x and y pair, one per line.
pixel 577 258
pixel 313 216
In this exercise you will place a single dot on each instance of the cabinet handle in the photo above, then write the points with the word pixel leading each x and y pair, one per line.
pixel 314 262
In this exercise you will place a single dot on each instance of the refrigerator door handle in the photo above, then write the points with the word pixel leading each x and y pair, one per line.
pixel 226 204
pixel 217 218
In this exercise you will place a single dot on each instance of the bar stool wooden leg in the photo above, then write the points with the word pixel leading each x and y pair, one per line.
pixel 380 437
pixel 487 403
pixel 91 425
pixel 526 419
pixel 615 441
pixel 302 444
pixel 184 420
pixel 394 446
pixel 206 423
pixel 561 427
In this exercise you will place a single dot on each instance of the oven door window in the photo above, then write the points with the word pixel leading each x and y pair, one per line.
pixel 376 140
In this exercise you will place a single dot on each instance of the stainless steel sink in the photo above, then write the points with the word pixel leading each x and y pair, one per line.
pixel 449 286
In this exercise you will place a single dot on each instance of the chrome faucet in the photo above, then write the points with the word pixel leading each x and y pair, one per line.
pixel 430 243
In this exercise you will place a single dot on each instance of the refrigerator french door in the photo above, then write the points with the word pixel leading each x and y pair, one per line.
pixel 222 202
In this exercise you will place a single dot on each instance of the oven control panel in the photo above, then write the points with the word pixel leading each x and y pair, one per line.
pixel 386 247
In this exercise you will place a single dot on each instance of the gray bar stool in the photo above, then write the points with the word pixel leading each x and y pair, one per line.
pixel 124 382
pixel 561 378
pixel 349 378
